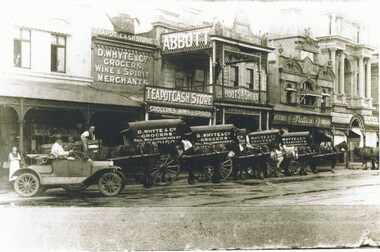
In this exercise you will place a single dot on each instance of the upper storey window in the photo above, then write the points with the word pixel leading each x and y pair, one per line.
pixel 234 76
pixel 58 53
pixel 21 48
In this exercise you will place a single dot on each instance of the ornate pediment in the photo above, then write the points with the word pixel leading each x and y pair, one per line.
pixel 291 65
pixel 309 67
pixel 326 73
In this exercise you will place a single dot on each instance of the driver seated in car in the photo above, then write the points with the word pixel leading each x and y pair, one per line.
pixel 57 150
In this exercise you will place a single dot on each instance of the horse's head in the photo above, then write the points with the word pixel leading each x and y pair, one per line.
pixel 343 146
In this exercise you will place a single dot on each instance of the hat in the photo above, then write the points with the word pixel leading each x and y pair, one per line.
pixel 71 139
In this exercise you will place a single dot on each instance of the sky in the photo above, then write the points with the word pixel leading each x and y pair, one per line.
pixel 260 13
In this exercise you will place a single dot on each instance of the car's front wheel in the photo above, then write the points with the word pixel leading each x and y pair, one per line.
pixel 27 185
pixel 110 184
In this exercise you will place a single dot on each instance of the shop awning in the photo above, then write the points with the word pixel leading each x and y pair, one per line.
pixel 352 134
pixel 320 137
pixel 64 92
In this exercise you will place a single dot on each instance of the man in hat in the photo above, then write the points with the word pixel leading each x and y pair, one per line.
pixel 87 135
pixel 57 150
pixel 70 144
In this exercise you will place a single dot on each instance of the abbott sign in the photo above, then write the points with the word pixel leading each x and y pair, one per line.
pixel 186 40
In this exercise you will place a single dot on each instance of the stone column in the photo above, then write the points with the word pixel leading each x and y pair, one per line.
pixel 361 77
pixel 368 75
pixel 341 75
pixel 333 64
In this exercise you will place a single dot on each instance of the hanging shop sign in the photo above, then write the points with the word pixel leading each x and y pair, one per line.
pixel 240 94
pixel 302 120
pixel 341 118
pixel 121 69
pixel 189 40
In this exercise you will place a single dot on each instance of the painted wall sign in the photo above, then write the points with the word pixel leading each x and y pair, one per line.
pixel 118 68
pixel 302 120
pixel 341 118
pixel 178 97
pixel 179 111
pixel 123 36
pixel 240 94
pixel 186 40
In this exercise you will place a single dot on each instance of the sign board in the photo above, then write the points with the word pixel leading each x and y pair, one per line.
pixel 302 120
pixel 121 69
pixel 263 137
pixel 341 118
pixel 371 120
pixel 179 111
pixel 296 140
pixel 241 94
pixel 180 98
pixel 189 40
pixel 212 135
pixel 123 36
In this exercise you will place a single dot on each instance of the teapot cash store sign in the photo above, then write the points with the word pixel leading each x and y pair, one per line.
pixel 121 69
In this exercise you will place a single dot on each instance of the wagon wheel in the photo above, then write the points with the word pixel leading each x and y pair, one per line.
pixel 225 169
pixel 250 171
pixel 110 184
pixel 201 175
pixel 27 185
pixel 272 168
pixel 75 187
pixel 165 170
pixel 295 167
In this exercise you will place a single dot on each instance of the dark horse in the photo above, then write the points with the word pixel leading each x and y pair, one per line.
pixel 368 154
pixel 331 155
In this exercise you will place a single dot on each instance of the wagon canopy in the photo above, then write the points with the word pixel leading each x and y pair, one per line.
pixel 212 134
pixel 297 138
pixel 263 137
pixel 156 131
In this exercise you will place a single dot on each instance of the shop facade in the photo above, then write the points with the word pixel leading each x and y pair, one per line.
pixel 228 65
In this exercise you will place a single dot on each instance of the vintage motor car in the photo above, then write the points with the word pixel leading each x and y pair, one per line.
pixel 72 173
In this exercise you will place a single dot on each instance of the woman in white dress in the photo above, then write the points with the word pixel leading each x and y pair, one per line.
pixel 14 162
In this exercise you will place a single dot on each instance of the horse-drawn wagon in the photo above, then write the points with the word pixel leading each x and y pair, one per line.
pixel 149 151
pixel 255 157
pixel 210 158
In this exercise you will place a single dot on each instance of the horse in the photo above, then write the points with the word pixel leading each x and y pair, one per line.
pixel 332 155
pixel 368 154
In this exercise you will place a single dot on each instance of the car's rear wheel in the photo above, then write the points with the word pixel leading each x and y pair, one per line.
pixel 27 185
pixel 110 184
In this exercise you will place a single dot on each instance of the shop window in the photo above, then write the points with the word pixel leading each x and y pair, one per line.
pixel 58 53
pixel 307 96
pixel 179 79
pixel 200 80
pixel 234 76
pixel 249 78
pixel 21 48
